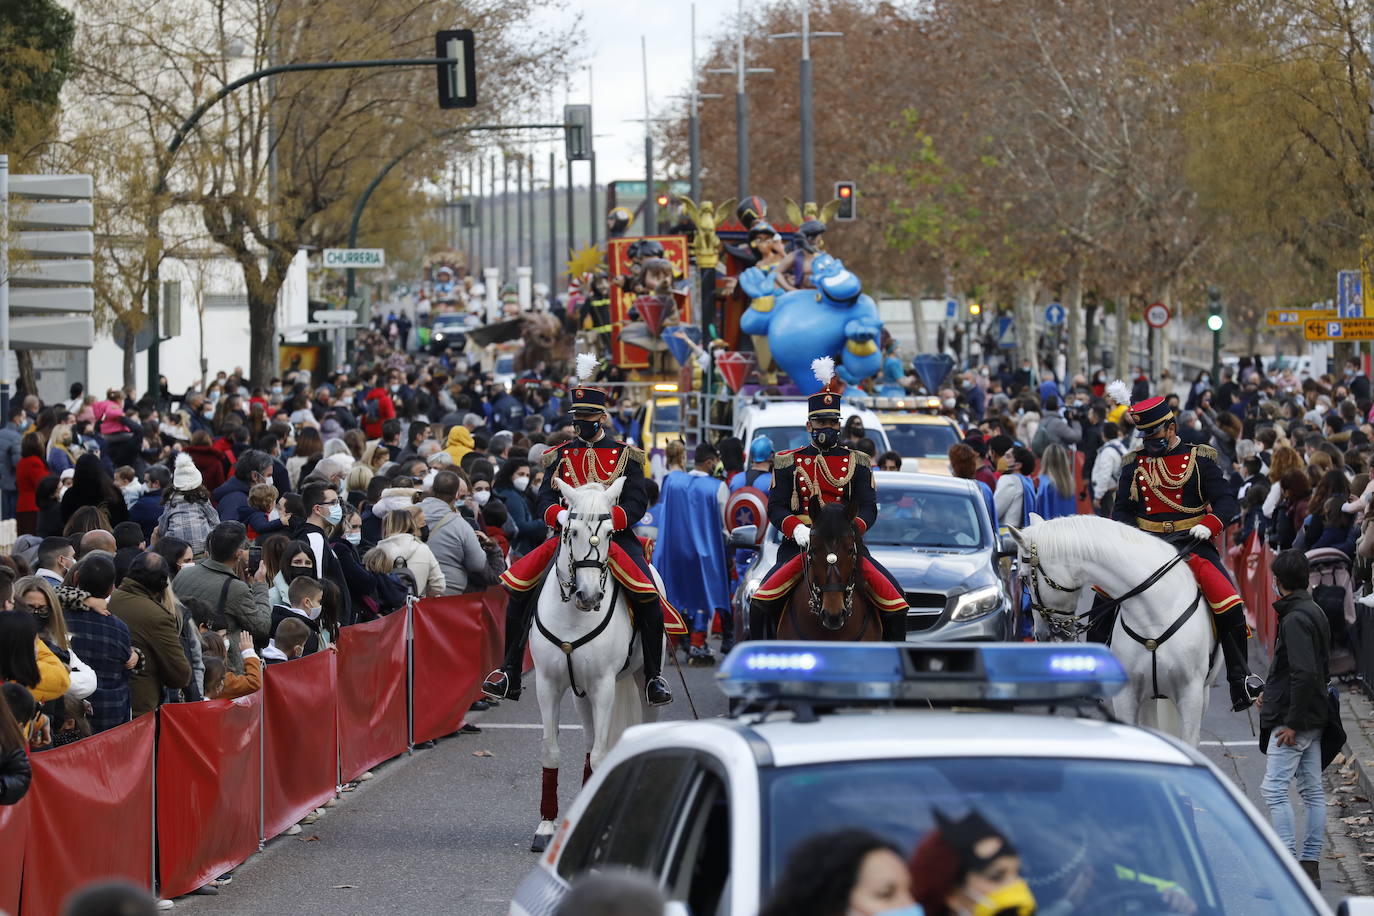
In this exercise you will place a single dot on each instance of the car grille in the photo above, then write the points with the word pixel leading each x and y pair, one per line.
pixel 926 609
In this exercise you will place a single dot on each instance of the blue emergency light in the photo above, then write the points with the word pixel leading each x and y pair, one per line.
pixel 943 672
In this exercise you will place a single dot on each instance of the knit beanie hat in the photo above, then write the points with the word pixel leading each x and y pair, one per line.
pixel 186 476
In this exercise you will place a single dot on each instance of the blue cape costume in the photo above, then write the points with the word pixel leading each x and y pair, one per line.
pixel 690 555
pixel 1050 503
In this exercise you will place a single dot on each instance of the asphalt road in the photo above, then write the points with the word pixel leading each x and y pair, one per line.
pixel 447 830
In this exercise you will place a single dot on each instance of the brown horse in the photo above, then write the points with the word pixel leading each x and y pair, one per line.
pixel 830 602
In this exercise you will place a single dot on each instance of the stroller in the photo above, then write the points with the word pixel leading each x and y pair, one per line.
pixel 1332 588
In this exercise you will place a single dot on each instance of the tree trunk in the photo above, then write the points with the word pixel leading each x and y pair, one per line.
pixel 128 343
pixel 1073 304
pixel 1027 291
pixel 1123 337
pixel 918 321
pixel 28 379
pixel 262 338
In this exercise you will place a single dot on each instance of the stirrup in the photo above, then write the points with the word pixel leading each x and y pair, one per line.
pixel 662 685
pixel 498 686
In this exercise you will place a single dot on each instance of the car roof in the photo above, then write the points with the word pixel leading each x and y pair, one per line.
pixel 923 419
pixel 885 734
pixel 786 411
pixel 926 481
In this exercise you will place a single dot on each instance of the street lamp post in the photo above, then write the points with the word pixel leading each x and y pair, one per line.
pixel 808 148
pixel 741 107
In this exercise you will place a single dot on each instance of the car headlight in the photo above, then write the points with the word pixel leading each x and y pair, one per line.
pixel 976 603
pixel 438 335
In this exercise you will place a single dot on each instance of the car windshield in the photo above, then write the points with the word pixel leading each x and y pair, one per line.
pixel 505 365
pixel 917 440
pixel 666 415
pixel 449 321
pixel 1094 836
pixel 910 516
pixel 785 437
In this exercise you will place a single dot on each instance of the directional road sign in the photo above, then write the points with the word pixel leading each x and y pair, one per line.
pixel 1006 332
pixel 1349 302
pixel 50 261
pixel 1339 329
pixel 1295 317
pixel 355 257
pixel 1054 314
pixel 1157 314
pixel 951 308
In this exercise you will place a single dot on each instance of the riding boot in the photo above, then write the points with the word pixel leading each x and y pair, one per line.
pixel 894 626
pixel 1232 635
pixel 504 682
pixel 760 621
pixel 649 623
pixel 727 630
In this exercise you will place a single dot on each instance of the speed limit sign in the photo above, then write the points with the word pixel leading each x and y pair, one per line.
pixel 1157 314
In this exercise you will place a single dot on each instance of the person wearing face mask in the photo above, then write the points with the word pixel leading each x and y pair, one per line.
pixel 966 867
pixel 140 601
pixel 1179 492
pixel 323 514
pixel 591 457
pixel 512 487
pixel 304 602
pixel 827 471
pixel 849 872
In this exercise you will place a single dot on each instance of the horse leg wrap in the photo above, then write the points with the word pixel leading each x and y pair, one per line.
pixel 698 639
pixel 548 798
pixel 586 769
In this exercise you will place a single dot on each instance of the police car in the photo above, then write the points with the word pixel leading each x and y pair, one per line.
pixel 1107 818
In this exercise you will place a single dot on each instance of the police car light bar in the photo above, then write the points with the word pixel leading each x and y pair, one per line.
pixel 943 672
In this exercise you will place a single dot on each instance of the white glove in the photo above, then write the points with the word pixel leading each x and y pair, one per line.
pixel 1366 600
pixel 1350 508
pixel 562 518
pixel 1201 532
pixel 802 535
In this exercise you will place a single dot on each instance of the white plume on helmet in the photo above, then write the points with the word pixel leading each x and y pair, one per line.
pixel 586 366
pixel 1119 392
pixel 824 368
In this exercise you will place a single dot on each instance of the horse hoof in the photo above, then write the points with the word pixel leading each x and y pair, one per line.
pixel 542 834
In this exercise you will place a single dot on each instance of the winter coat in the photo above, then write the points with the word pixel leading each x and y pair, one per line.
pixel 245 603
pixel 1295 690
pixel 419 559
pixel 14 775
pixel 211 463
pixel 156 634
pixel 454 545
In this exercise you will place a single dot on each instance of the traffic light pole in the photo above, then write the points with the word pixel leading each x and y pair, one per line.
pixel 808 146
pixel 153 223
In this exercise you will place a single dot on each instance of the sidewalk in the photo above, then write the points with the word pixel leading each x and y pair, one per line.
pixel 1350 786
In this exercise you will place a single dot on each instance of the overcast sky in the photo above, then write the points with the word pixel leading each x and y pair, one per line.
pixel 613 29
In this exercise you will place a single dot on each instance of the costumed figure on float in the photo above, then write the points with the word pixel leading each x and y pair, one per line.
pixel 806 482
pixel 592 457
pixel 1177 492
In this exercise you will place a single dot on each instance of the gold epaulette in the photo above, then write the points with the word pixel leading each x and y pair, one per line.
pixel 783 459
pixel 862 458
pixel 634 453
pixel 1204 451
pixel 551 455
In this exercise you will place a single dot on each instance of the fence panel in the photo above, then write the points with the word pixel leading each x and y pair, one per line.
pixel 300 731
pixel 372 693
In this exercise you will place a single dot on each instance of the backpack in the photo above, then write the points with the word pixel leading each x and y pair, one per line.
pixel 404 577
pixel 1041 440
pixel 189 521
pixel 372 410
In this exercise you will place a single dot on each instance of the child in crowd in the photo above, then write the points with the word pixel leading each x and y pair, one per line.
pixel 289 642
pixel 261 514
pixel 494 515
pixel 75 722
pixel 306 597
pixel 222 683
pixel 127 480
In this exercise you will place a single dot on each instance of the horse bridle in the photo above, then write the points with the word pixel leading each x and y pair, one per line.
pixel 590 561
pixel 817 592
pixel 1064 626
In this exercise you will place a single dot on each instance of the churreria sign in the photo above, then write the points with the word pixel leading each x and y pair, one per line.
pixel 355 257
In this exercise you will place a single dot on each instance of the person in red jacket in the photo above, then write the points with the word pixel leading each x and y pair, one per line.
pixel 385 409
pixel 31 470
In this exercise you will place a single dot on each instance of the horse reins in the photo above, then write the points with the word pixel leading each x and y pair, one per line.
pixel 1068 623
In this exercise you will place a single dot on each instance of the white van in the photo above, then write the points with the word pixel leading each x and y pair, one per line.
pixel 784 422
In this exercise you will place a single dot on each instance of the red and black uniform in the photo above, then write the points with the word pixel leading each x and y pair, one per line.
pixel 836 475
pixel 577 463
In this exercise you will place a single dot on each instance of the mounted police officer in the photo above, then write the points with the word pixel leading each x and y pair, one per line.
pixel 832 473
pixel 1177 491
pixel 592 457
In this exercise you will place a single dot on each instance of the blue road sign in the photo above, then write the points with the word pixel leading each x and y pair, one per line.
pixel 1349 303
pixel 951 308
pixel 1006 332
pixel 1054 314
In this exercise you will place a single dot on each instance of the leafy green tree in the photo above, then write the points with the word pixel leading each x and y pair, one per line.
pixel 35 61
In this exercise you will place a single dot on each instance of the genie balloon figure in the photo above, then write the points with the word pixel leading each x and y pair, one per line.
pixel 834 319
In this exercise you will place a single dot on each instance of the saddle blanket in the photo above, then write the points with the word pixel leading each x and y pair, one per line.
pixel 528 573
pixel 879 590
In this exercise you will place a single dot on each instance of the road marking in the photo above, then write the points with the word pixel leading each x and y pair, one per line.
pixel 1226 743
pixel 486 725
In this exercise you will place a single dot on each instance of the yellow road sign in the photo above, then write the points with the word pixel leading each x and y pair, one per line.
pixel 1295 317
pixel 1339 329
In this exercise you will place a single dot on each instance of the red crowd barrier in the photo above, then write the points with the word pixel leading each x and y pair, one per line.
pixel 230 773
pixel 447 651
pixel 371 694
pixel 209 790
pixel 301 739
pixel 1250 567
pixel 97 796
pixel 14 838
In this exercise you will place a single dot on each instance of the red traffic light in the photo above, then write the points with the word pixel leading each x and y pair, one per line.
pixel 846 191
pixel 662 200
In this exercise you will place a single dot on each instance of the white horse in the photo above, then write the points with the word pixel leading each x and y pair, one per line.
pixel 1059 558
pixel 584 641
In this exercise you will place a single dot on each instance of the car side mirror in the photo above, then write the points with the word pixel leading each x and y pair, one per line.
pixel 745 536
pixel 1356 906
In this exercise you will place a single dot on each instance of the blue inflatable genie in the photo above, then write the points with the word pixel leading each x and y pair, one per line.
pixel 834 319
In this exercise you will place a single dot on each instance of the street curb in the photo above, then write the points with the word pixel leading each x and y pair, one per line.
pixel 1357 717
